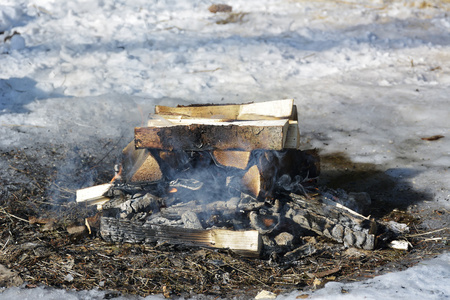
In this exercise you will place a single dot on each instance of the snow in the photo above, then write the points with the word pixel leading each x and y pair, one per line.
pixel 427 280
pixel 370 79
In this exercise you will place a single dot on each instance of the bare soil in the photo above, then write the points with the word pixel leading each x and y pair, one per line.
pixel 37 206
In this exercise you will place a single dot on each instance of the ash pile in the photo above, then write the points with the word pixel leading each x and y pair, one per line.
pixel 229 177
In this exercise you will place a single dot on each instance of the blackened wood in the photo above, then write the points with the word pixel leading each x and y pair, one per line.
pixel 288 170
pixel 333 220
pixel 246 243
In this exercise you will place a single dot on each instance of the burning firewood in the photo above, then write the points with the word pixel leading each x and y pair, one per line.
pixel 140 165
pixel 235 159
pixel 95 195
pixel 247 243
pixel 223 176
pixel 289 170
pixel 333 220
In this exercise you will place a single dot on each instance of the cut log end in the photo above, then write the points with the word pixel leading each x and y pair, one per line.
pixel 235 159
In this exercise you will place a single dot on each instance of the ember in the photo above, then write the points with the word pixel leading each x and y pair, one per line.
pixel 228 176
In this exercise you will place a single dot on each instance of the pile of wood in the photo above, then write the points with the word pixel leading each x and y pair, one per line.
pixel 223 176
pixel 258 141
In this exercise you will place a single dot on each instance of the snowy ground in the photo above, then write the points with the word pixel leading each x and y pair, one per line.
pixel 370 79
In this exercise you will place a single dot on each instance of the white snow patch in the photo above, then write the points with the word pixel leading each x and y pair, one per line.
pixel 370 78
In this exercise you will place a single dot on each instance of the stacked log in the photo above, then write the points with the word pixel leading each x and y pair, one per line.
pixel 257 142
pixel 195 169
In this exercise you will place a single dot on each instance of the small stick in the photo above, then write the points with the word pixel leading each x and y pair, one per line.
pixel 247 274
pixel 425 233
pixel 4 246
pixel 11 215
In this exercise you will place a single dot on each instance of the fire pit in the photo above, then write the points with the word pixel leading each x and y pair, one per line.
pixel 225 176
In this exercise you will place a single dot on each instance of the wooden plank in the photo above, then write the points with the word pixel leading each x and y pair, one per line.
pixel 278 109
pixel 292 140
pixel 139 165
pixel 94 195
pixel 244 135
pixel 247 243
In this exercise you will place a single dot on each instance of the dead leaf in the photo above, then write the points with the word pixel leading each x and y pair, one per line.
pixel 166 292
pixel 433 138
pixel 215 8
pixel 302 296
pixel 317 282
pixel 327 272
pixel 42 221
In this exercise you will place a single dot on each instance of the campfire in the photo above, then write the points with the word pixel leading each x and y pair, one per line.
pixel 226 176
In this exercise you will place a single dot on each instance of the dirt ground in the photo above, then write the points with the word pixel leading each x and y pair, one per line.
pixel 37 206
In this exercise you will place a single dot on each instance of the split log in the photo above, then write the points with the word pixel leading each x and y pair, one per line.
pixel 230 158
pixel 254 183
pixel 332 220
pixel 246 243
pixel 278 109
pixel 94 195
pixel 140 165
pixel 241 135
pixel 289 170
pixel 292 136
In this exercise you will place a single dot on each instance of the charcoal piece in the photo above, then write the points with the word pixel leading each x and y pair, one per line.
pixel 332 220
pixel 146 203
pixel 300 252
pixel 284 239
pixel 190 220
pixel 264 223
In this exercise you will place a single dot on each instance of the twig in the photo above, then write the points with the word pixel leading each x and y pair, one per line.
pixel 202 267
pixel 425 233
pixel 106 155
pixel 247 274
pixel 434 239
pixel 4 246
pixel 106 256
pixel 22 125
pixel 11 215
pixel 205 71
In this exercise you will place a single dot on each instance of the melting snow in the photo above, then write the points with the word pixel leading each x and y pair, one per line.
pixel 370 79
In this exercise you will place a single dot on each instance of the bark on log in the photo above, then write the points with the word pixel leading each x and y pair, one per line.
pixel 247 135
pixel 246 243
